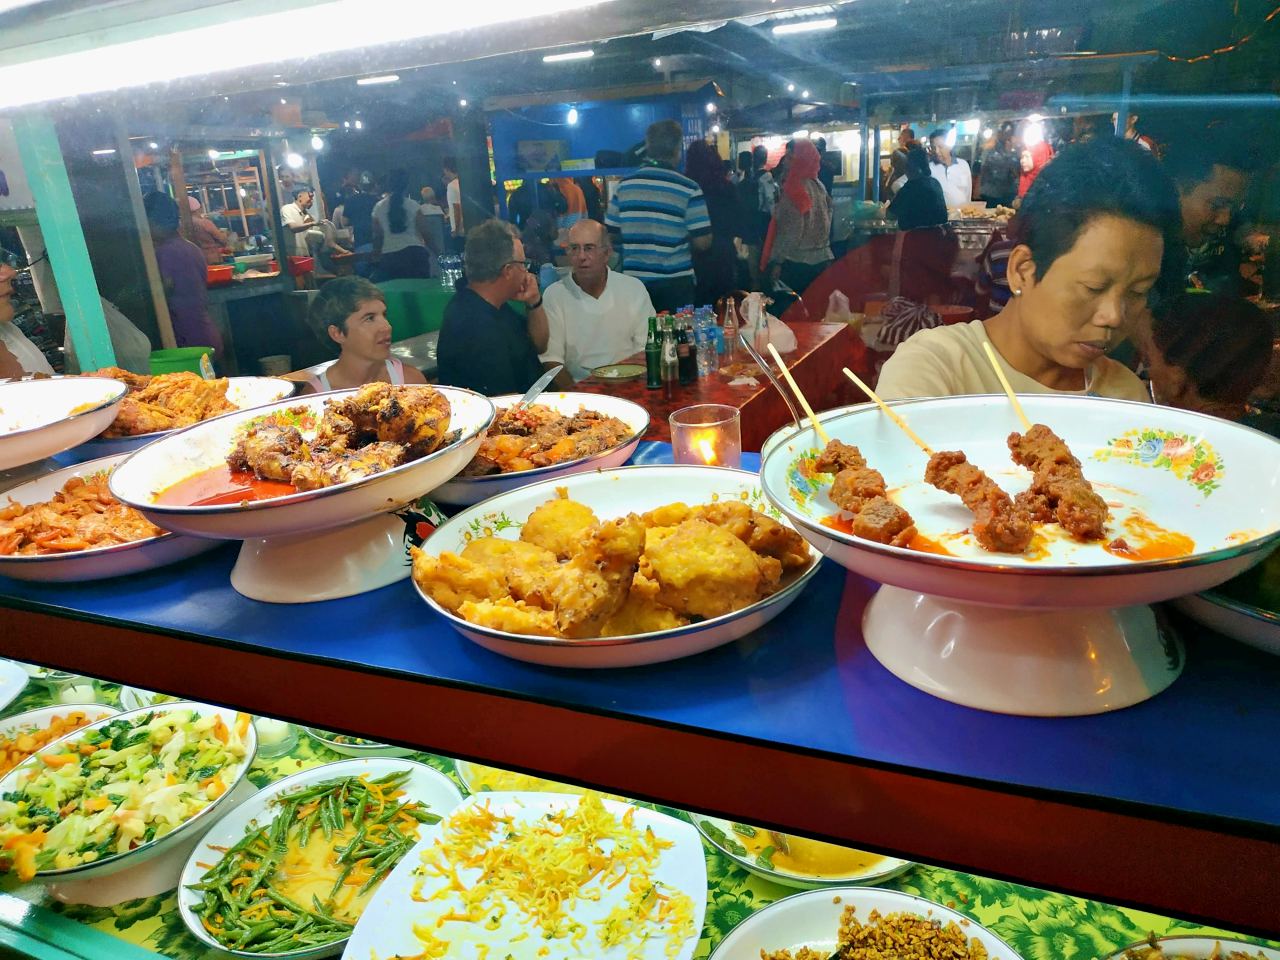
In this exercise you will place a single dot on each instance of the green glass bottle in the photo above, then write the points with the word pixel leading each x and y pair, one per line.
pixel 653 357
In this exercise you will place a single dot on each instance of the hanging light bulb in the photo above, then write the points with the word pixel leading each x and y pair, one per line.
pixel 317 142
pixel 572 118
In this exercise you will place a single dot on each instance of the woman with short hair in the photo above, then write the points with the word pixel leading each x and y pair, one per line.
pixel 1097 240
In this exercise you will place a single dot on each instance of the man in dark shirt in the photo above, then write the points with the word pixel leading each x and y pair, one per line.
pixel 484 344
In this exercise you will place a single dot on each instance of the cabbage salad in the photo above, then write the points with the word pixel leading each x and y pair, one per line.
pixel 116 787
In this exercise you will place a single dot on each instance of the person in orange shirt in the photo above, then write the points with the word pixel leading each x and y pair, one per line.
pixel 205 234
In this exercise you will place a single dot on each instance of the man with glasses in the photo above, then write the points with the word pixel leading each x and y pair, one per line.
pixel 484 344
pixel 595 315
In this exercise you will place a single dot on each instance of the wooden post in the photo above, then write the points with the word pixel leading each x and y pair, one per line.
pixel 41 156
pixel 154 280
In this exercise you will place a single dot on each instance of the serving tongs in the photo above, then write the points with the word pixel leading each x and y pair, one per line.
pixel 760 362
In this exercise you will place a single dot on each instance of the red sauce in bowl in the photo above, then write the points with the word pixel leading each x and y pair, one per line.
pixel 222 485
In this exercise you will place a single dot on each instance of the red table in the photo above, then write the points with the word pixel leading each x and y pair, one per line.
pixel 823 348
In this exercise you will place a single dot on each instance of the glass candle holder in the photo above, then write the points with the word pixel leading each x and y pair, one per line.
pixel 707 435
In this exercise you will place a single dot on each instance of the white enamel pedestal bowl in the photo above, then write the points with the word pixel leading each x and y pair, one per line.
pixel 37 418
pixel 614 493
pixel 112 561
pixel 1065 633
pixel 152 867
pixel 243 392
pixel 318 545
pixel 465 491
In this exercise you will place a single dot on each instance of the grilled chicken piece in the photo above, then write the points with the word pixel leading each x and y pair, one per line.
pixel 416 417
pixel 326 468
pixel 270 452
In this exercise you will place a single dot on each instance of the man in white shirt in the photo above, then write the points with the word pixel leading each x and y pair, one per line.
pixel 595 316
pixel 297 221
pixel 950 171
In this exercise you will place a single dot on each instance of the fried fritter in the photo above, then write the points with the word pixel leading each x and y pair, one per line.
pixel 761 533
pixel 451 580
pixel 510 616
pixel 703 570
pixel 559 525
pixel 641 614
pixel 594 584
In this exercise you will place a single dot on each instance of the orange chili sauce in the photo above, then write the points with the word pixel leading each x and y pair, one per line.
pixel 1144 540
pixel 919 542
pixel 222 485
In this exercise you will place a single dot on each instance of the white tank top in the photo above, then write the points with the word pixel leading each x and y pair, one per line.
pixel 395 372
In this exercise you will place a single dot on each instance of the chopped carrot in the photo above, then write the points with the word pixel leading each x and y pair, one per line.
pixel 220 730
pixel 58 759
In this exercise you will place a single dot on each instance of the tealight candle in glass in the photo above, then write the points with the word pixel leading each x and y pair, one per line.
pixel 707 435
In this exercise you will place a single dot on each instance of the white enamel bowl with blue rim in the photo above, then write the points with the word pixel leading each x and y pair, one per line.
pixel 465 491
pixel 187 830
pixel 812 919
pixel 140 479
pixel 436 792
pixel 243 392
pixel 98 563
pixel 411 897
pixel 611 494
pixel 39 418
pixel 1213 481
pixel 1199 948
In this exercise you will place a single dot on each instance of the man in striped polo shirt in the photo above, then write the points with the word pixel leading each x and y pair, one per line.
pixel 659 217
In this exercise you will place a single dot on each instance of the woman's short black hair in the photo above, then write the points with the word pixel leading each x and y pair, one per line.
pixel 1105 177
pixel 917 162
pixel 337 300
pixel 1221 342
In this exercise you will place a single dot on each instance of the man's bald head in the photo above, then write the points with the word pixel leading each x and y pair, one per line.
pixel 588 246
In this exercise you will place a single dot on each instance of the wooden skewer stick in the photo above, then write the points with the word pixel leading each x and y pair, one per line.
pixel 1004 382
pixel 889 412
pixel 795 388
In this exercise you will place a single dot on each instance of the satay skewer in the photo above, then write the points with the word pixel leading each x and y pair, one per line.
pixel 889 411
pixel 795 388
pixel 1004 382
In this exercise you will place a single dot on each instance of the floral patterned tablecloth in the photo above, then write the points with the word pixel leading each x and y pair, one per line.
pixel 1039 925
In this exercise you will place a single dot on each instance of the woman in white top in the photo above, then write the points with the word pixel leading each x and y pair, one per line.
pixel 1097 240
pixel 352 313
pixel 401 248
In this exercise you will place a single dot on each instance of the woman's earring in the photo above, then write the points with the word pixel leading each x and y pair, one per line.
pixel 1018 292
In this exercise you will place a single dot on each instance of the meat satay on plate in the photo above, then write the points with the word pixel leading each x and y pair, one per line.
pixel 999 525
pixel 1058 484
pixel 861 491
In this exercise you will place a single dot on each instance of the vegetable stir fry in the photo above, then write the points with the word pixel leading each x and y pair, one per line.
pixel 302 880
pixel 118 786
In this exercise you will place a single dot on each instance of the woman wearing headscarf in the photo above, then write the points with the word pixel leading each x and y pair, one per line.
pixel 205 233
pixel 715 268
pixel 798 246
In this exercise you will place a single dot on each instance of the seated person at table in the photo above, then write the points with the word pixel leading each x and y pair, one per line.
pixel 595 315
pixel 1097 236
pixel 485 345
pixel 1207 352
pixel 352 312
pixel 919 202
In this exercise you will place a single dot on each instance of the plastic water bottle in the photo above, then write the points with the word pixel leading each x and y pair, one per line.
pixel 708 360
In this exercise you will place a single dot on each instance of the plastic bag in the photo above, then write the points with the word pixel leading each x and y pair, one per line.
pixel 131 346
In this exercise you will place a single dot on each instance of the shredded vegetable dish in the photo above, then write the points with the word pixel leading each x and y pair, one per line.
pixel 119 785
pixel 25 742
pixel 82 515
pixel 303 879
pixel 542 870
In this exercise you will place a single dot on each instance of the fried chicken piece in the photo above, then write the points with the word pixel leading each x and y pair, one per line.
pixel 416 417
pixel 134 381
pixel 998 525
pixel 169 401
pixel 510 616
pixel 326 468
pixel 594 584
pixel 703 570
pixel 451 580
pixel 761 533
pixel 882 520
pixel 559 525
pixel 270 452
pixel 1058 478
